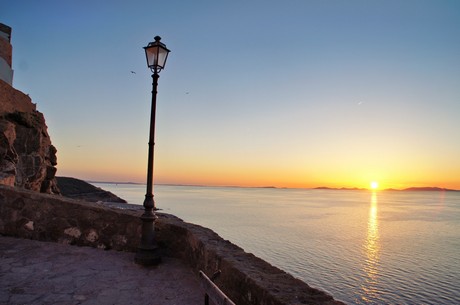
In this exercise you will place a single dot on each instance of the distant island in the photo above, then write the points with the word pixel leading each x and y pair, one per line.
pixel 409 189
pixel 426 189
pixel 340 189
pixel 111 182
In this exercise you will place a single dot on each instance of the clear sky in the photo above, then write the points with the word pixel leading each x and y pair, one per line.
pixel 255 93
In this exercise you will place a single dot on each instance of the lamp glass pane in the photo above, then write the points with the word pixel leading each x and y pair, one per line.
pixel 151 54
pixel 162 55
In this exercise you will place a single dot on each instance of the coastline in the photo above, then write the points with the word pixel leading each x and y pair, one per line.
pixel 80 189
pixel 408 189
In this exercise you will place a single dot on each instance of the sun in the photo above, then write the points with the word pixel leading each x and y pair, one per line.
pixel 374 185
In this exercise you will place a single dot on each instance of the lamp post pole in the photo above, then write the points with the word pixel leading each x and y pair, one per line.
pixel 147 254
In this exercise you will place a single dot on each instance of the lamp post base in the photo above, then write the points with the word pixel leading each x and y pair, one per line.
pixel 147 257
pixel 147 252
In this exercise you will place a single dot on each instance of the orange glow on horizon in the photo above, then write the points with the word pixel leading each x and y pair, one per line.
pixel 262 172
pixel 235 177
pixel 247 178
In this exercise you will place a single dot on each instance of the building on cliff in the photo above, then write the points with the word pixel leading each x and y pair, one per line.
pixel 27 157
pixel 6 50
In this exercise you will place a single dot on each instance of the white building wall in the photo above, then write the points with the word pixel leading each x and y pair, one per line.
pixel 6 73
pixel 4 36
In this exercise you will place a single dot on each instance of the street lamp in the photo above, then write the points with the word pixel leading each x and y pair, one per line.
pixel 147 252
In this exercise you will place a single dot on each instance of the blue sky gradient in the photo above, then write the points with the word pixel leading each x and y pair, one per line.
pixel 284 93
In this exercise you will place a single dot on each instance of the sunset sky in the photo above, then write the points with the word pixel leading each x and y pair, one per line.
pixel 255 93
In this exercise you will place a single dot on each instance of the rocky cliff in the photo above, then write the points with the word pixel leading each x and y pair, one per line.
pixel 27 157
pixel 79 189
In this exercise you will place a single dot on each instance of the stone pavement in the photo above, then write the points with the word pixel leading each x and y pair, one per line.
pixel 34 272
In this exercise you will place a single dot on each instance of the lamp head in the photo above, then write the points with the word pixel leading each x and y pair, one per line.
pixel 156 54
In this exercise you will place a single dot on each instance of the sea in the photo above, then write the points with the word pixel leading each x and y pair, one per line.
pixel 362 247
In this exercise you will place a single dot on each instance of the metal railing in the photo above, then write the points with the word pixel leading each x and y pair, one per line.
pixel 212 291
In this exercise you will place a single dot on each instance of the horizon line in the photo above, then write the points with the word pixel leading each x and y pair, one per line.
pixel 412 188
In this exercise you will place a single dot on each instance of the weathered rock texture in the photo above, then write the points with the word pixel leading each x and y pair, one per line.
pixel 27 157
pixel 246 279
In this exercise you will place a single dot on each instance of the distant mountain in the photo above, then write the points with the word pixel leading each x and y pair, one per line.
pixel 409 189
pixel 112 182
pixel 429 189
pixel 340 189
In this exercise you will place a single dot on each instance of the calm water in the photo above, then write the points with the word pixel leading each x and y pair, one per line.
pixel 361 247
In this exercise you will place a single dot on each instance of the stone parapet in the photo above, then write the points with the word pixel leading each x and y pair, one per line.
pixel 38 216
pixel 245 278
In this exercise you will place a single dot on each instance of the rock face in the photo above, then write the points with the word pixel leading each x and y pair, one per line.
pixel 27 157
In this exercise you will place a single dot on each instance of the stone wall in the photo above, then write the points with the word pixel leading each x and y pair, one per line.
pixel 246 279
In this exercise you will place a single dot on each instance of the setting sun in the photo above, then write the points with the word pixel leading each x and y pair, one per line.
pixel 374 185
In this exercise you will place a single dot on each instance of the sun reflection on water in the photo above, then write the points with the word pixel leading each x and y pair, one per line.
pixel 372 253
